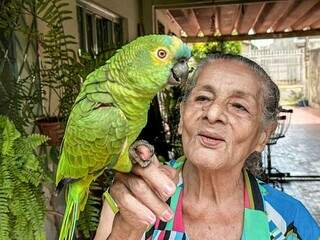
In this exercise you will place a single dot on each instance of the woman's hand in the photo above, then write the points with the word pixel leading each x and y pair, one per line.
pixel 141 197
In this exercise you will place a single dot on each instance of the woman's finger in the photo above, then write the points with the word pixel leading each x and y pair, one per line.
pixel 141 190
pixel 160 178
pixel 131 209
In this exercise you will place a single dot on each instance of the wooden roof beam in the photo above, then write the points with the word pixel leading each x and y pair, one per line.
pixel 185 4
pixel 283 16
pixel 250 12
pixel 204 20
pixel 315 24
pixel 173 19
pixel 260 27
pixel 305 16
pixel 217 21
pixel 241 37
pixel 254 24
pixel 181 17
pixel 237 19
pixel 190 22
pixel 195 20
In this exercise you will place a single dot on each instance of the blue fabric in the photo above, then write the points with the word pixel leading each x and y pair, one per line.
pixel 299 224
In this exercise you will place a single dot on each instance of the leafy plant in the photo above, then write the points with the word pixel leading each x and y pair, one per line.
pixel 171 99
pixel 16 85
pixel 29 93
pixel 22 208
pixel 58 58
pixel 201 50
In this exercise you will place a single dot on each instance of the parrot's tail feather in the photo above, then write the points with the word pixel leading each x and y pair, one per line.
pixel 75 218
pixel 69 222
pixel 77 195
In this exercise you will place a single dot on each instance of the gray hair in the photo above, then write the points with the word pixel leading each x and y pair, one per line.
pixel 270 91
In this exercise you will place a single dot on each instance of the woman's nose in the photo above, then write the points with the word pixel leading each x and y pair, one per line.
pixel 216 112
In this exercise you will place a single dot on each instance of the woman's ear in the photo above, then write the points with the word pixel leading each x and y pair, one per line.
pixel 180 125
pixel 264 136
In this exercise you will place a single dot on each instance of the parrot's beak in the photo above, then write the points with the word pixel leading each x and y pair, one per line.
pixel 179 72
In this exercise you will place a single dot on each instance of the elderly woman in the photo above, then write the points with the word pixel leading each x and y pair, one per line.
pixel 228 113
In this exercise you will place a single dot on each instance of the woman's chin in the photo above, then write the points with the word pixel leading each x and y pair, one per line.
pixel 207 158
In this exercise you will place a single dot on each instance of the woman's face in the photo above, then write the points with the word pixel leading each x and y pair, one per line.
pixel 221 121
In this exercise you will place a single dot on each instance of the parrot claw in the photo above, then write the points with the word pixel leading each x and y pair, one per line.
pixel 141 152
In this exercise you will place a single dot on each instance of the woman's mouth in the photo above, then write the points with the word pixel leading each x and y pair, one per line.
pixel 210 141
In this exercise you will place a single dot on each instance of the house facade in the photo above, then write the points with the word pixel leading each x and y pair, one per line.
pixel 100 24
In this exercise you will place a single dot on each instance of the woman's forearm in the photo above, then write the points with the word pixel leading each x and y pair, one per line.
pixel 105 223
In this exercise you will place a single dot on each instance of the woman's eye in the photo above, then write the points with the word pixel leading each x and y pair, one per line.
pixel 202 98
pixel 239 107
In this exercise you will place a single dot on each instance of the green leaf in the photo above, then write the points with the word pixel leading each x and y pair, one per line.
pixel 22 208
pixel 10 134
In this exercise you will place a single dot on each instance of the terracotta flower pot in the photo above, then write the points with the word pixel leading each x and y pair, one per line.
pixel 53 128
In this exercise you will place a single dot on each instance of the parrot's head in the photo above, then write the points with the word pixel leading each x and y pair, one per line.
pixel 155 61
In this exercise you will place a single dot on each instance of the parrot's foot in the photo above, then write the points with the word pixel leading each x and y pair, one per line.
pixel 141 152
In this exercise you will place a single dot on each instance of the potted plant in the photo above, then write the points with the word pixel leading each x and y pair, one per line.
pixel 32 86
pixel 58 71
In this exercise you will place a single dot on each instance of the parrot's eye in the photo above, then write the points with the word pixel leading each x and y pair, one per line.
pixel 162 53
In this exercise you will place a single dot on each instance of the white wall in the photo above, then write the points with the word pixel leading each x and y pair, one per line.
pixel 71 26
pixel 128 9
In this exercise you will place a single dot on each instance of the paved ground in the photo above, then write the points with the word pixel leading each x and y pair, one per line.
pixel 299 153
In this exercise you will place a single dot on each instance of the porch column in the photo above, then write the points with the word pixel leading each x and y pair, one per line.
pixel 148 15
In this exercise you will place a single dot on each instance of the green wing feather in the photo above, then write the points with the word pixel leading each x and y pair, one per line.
pixel 94 139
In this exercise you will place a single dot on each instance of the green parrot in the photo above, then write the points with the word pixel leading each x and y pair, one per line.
pixel 109 113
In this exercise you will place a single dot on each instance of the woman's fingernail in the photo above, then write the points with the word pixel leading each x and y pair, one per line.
pixel 152 219
pixel 166 215
pixel 169 190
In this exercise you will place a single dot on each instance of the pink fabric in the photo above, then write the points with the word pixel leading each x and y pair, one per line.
pixel 161 235
pixel 157 223
pixel 178 222
pixel 246 198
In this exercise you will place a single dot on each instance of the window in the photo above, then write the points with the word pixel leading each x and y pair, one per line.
pixel 105 34
pixel 81 26
pixel 89 32
pixel 99 29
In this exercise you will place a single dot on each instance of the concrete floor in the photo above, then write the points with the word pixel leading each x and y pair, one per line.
pixel 299 153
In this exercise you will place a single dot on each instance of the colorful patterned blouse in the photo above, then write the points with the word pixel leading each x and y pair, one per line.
pixel 269 215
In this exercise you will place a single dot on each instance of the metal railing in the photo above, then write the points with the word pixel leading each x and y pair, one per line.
pixel 284 66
